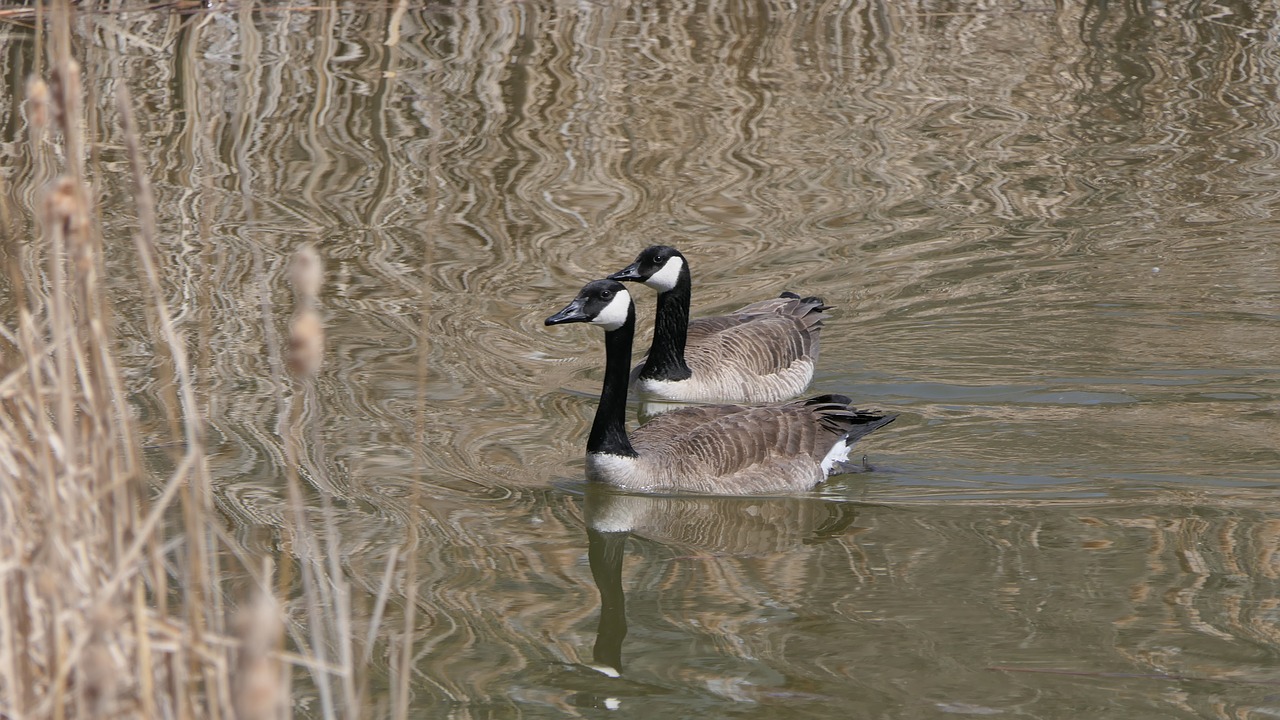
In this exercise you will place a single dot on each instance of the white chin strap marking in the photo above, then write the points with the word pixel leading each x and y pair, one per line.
pixel 666 278
pixel 614 314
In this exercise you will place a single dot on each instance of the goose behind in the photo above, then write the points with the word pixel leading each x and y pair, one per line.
pixel 720 449
pixel 763 352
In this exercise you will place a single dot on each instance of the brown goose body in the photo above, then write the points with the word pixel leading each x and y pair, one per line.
pixel 764 352
pixel 738 449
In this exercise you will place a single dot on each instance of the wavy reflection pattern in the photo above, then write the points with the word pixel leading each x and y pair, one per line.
pixel 1048 229
pixel 806 603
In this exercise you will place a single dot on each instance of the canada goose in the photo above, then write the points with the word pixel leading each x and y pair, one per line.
pixel 725 449
pixel 761 353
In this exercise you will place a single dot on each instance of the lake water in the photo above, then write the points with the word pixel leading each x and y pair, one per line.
pixel 1051 233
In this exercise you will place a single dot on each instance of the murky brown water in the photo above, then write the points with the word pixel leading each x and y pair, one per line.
pixel 1051 233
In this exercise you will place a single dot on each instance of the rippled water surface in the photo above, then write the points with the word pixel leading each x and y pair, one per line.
pixel 1050 232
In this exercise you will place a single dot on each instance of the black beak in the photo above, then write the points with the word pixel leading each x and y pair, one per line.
pixel 571 313
pixel 630 272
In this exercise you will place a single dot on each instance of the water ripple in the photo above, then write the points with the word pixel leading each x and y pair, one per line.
pixel 1049 232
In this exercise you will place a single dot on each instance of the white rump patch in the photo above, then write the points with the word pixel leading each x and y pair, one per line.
pixel 614 315
pixel 668 276
pixel 837 454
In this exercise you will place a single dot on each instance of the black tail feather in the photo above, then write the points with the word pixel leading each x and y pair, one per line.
pixel 818 304
pixel 838 415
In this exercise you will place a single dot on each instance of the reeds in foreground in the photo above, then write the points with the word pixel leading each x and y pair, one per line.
pixel 111 582
pixel 90 624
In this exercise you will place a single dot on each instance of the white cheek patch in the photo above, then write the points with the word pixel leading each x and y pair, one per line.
pixel 614 315
pixel 668 276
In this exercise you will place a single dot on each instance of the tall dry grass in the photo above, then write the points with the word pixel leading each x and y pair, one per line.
pixel 113 582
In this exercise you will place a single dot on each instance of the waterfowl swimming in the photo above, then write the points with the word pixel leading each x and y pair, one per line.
pixel 723 449
pixel 764 352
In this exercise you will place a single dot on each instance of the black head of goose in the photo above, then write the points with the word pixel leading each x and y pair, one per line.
pixel 763 352
pixel 721 449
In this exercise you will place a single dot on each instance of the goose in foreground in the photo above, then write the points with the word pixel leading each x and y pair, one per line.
pixel 761 353
pixel 722 449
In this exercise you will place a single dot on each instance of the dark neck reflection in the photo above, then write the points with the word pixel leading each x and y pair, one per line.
pixel 604 551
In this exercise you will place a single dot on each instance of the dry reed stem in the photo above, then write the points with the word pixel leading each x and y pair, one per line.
pixel 400 703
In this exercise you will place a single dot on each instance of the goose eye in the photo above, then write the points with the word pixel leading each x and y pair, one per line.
pixel 606 294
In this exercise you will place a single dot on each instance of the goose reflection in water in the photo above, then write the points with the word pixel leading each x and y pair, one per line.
pixel 720 526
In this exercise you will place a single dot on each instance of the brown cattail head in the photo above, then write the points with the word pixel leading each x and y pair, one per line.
pixel 66 94
pixel 97 679
pixel 307 275
pixel 64 207
pixel 306 332
pixel 98 671
pixel 38 104
pixel 48 584
pixel 306 342
pixel 262 690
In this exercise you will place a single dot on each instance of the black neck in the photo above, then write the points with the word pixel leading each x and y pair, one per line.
pixel 609 430
pixel 666 355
